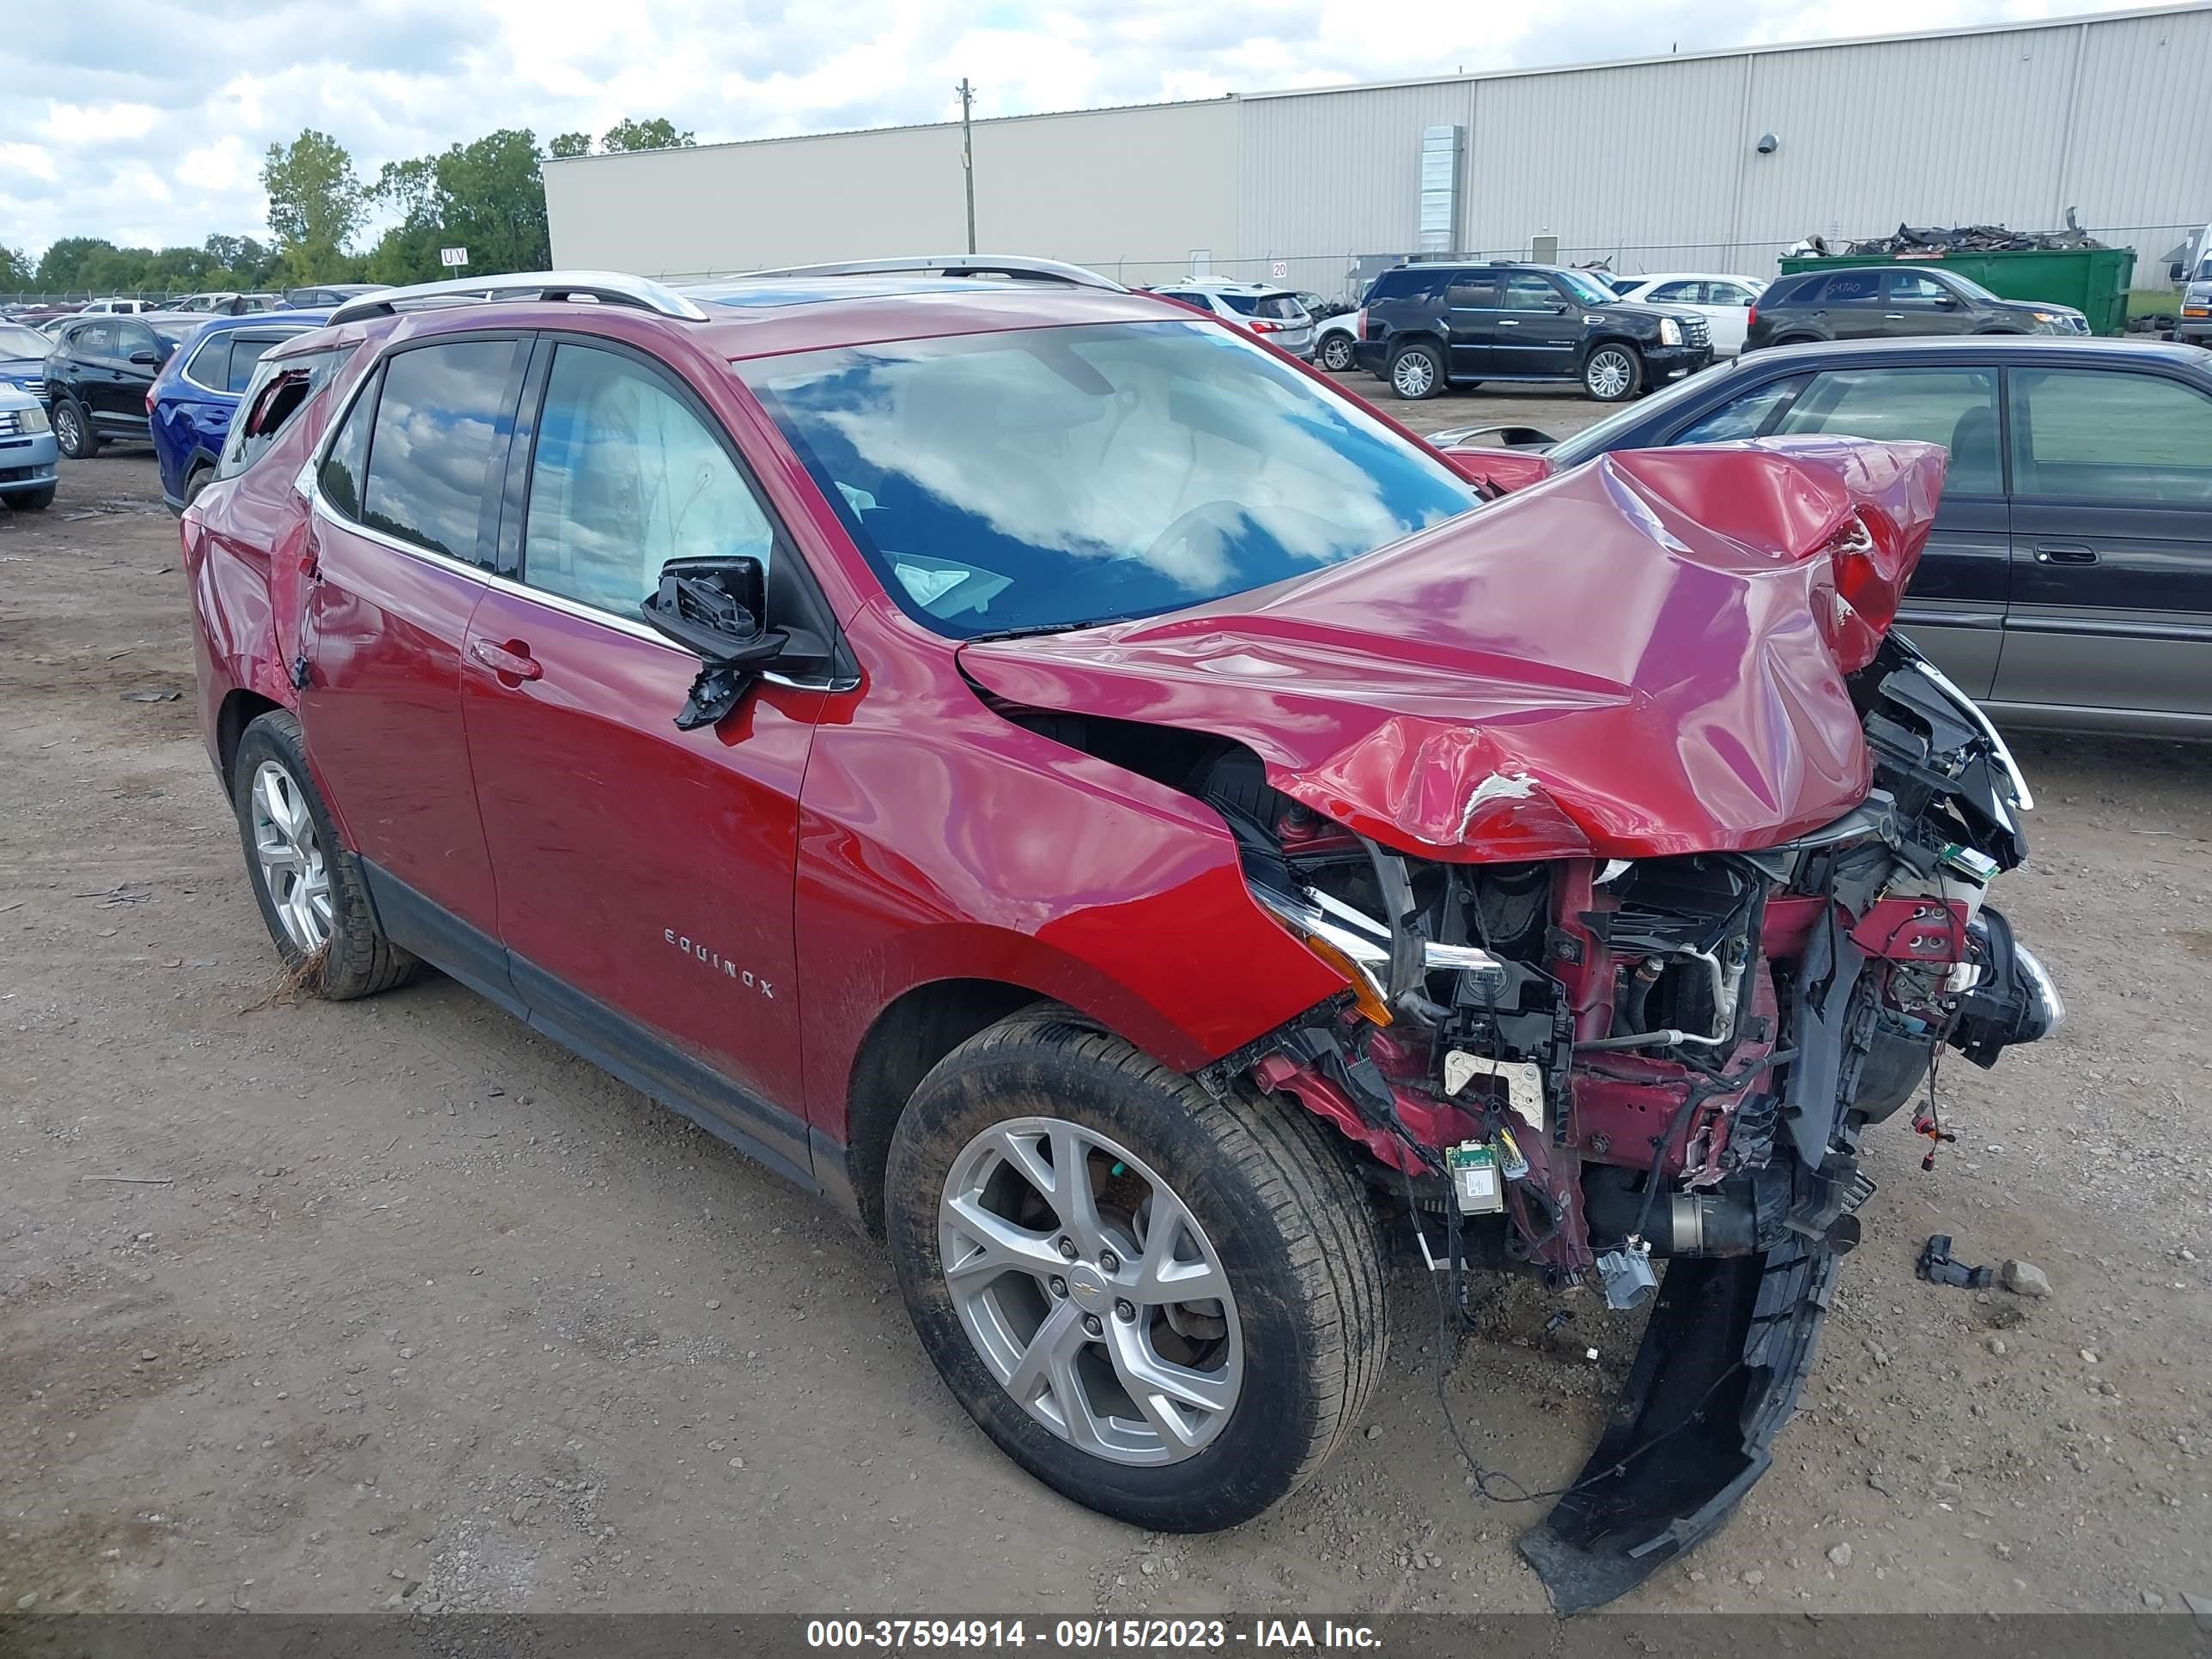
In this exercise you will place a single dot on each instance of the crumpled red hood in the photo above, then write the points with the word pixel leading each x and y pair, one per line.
pixel 1640 657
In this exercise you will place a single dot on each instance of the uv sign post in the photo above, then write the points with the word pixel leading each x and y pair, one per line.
pixel 452 257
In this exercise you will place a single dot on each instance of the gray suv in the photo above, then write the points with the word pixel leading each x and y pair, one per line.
pixel 1875 302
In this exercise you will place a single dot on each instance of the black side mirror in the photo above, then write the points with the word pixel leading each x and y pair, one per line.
pixel 2174 273
pixel 144 359
pixel 714 608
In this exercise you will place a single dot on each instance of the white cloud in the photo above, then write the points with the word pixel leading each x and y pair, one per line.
pixel 158 151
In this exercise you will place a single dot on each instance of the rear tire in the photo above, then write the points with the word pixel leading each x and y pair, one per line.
pixel 1336 352
pixel 309 887
pixel 200 478
pixel 1260 1203
pixel 73 433
pixel 1416 371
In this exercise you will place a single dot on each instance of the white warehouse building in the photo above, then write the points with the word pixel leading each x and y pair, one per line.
pixel 1701 160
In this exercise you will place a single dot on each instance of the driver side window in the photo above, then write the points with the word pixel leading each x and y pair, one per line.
pixel 625 477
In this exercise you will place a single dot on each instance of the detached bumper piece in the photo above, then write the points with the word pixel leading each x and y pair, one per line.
pixel 1729 1347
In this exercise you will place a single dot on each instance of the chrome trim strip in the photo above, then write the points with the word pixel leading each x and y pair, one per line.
pixel 576 607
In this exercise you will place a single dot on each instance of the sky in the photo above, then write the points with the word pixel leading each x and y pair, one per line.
pixel 146 121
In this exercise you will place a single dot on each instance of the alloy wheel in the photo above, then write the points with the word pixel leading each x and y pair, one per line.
pixel 1090 1291
pixel 1610 373
pixel 68 433
pixel 289 854
pixel 1412 375
pixel 1336 353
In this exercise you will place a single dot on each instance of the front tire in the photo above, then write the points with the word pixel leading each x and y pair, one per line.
pixel 1416 371
pixel 33 501
pixel 1177 1338
pixel 309 887
pixel 1613 372
pixel 73 433
pixel 1336 352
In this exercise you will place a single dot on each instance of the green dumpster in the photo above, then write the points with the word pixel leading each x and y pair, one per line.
pixel 2092 280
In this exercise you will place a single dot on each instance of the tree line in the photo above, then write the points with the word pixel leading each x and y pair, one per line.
pixel 487 196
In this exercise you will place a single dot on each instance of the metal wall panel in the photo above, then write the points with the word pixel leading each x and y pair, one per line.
pixel 1635 163
pixel 2139 165
pixel 1098 187
pixel 1323 177
pixel 1930 131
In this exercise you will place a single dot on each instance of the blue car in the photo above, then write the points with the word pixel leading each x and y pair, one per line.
pixel 28 453
pixel 198 390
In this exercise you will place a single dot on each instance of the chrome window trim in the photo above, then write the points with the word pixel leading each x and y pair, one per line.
pixel 498 583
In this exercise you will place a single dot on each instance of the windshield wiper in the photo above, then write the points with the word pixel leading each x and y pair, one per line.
pixel 1034 629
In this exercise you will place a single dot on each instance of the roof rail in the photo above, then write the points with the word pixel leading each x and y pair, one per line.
pixel 610 288
pixel 1020 267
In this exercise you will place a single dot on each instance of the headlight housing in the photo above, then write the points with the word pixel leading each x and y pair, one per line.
pixel 32 419
pixel 1670 331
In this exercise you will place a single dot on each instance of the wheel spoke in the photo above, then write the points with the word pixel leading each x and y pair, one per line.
pixel 1175 1400
pixel 1161 1276
pixel 1076 1204
pixel 276 855
pixel 1049 1352
pixel 999 1246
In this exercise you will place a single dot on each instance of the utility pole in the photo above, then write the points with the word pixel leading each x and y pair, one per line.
pixel 968 153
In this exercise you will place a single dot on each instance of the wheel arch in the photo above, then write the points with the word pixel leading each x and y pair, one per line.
pixel 1596 343
pixel 904 1043
pixel 240 708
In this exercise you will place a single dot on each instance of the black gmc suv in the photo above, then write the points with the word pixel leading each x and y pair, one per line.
pixel 1427 325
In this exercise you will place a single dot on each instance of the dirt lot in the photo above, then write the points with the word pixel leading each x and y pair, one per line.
pixel 316 1307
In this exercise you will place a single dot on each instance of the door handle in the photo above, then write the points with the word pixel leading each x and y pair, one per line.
pixel 1509 322
pixel 512 662
pixel 2065 553
pixel 1893 316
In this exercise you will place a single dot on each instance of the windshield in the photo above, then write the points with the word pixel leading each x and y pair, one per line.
pixel 1061 477
pixel 172 335
pixel 1590 291
pixel 17 341
pixel 1596 439
pixel 1973 289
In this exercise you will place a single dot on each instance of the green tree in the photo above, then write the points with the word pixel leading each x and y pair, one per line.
pixel 486 196
pixel 17 269
pixel 659 133
pixel 315 204
pixel 570 143
pixel 62 267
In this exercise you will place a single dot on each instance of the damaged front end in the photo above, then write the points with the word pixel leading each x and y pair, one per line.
pixel 1589 1064
pixel 1640 928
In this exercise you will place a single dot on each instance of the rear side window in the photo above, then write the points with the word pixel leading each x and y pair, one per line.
pixel 443 412
pixel 244 352
pixel 1417 283
pixel 2106 435
pixel 264 412
pixel 209 366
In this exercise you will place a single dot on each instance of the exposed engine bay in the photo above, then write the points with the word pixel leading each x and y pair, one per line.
pixel 1584 1065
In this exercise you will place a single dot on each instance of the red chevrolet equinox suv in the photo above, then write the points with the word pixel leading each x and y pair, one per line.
pixel 1137 828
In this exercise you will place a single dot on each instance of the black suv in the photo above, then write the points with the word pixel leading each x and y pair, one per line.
pixel 99 373
pixel 1875 302
pixel 1426 326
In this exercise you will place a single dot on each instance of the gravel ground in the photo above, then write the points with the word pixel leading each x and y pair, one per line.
pixel 396 1305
